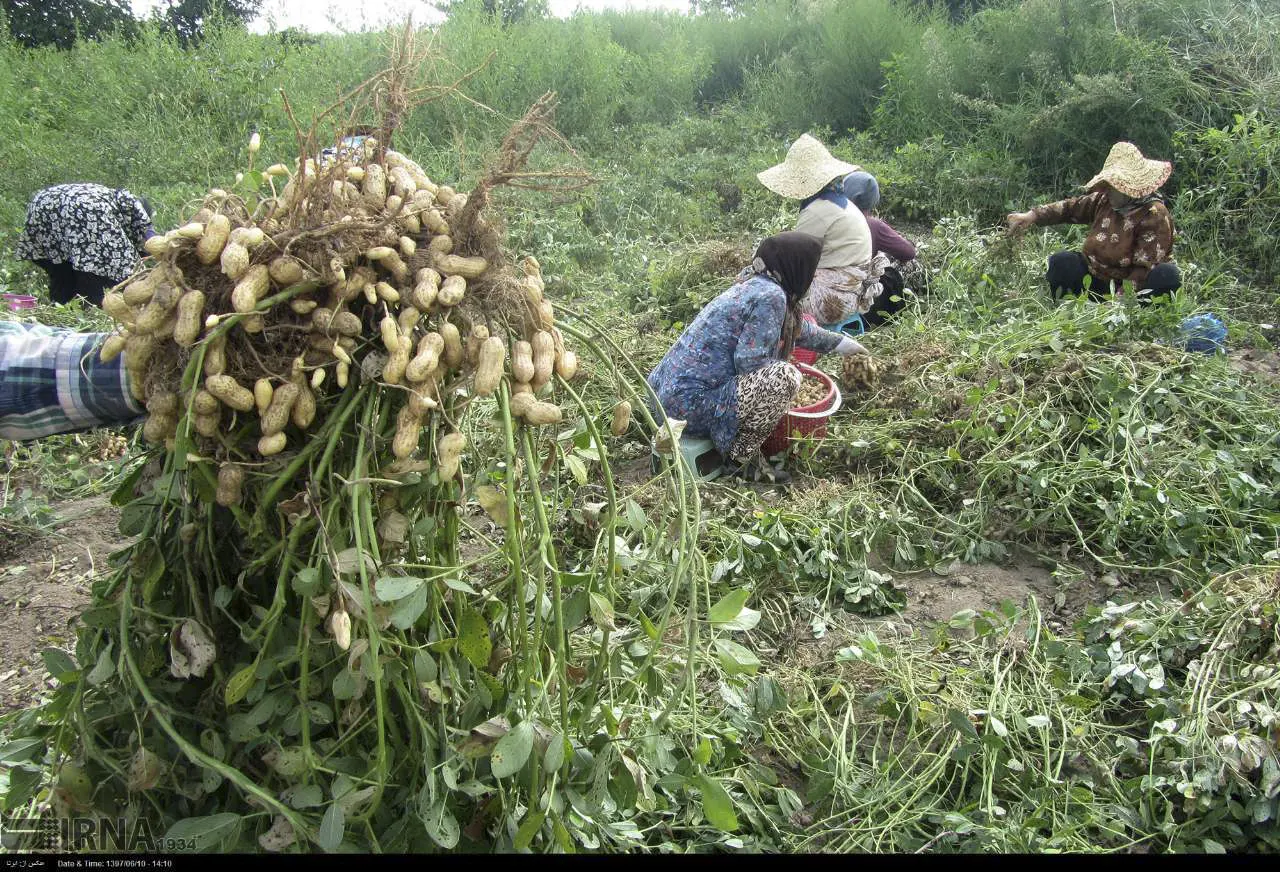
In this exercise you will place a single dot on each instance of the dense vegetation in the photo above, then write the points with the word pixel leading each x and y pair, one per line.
pixel 1075 436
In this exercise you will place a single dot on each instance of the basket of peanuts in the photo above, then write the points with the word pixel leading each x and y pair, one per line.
pixel 816 401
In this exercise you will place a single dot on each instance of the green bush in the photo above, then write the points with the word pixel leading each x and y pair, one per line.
pixel 1014 104
pixel 1053 83
pixel 165 121
pixel 928 179
pixel 833 73
pixel 743 43
pixel 606 69
pixel 1230 193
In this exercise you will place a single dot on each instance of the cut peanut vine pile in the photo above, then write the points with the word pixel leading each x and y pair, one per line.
pixel 313 643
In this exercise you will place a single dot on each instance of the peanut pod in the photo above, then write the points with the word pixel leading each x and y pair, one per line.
pixel 522 361
pixel 235 261
pixel 112 347
pixel 426 360
pixel 282 404
pixel 271 445
pixel 408 433
pixel 158 428
pixel 212 239
pixel 541 413
pixel 567 365
pixel 215 356
pixel 304 410
pixel 230 393
pixel 374 188
pixel 479 335
pixel 263 393
pixel 621 418
pixel 250 288
pixel 230 480
pixel 449 454
pixel 190 318
pixel 493 354
pixel 452 290
pixel 457 265
pixel 286 271
pixel 453 354
pixel 544 358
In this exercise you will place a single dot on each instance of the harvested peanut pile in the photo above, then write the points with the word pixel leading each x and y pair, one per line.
pixel 266 311
pixel 859 372
pixel 811 391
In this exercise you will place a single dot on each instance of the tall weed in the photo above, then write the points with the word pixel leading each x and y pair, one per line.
pixel 833 74
pixel 165 121
pixel 1230 193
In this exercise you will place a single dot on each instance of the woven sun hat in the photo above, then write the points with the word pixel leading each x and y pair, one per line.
pixel 806 171
pixel 1130 173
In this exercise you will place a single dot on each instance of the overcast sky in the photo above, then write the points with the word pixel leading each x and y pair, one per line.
pixel 328 15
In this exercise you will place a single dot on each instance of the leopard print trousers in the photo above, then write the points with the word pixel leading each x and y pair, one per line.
pixel 764 396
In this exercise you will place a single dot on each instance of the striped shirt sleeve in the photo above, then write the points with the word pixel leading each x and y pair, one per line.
pixel 51 381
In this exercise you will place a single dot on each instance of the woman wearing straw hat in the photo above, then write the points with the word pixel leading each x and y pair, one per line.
pixel 847 282
pixel 1131 232
pixel 727 376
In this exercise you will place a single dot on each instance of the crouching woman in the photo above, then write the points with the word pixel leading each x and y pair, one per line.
pixel 1131 237
pixel 727 375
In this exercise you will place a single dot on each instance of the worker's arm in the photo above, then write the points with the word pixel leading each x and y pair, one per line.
pixel 52 381
pixel 885 239
pixel 1073 210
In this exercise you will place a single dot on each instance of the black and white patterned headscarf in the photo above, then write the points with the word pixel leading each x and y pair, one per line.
pixel 94 228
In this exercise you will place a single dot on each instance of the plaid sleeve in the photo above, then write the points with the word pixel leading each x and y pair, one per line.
pixel 51 381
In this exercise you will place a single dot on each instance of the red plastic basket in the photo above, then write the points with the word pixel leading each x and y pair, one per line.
pixel 804 355
pixel 805 421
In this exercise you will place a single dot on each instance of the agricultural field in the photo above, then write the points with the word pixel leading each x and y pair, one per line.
pixel 1022 596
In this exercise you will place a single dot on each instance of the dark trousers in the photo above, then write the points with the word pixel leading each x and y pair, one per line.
pixel 1068 269
pixel 890 302
pixel 66 283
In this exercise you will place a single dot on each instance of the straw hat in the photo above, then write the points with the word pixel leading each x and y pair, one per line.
pixel 806 171
pixel 1130 173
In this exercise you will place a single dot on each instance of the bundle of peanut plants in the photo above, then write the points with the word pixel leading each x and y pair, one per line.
pixel 315 640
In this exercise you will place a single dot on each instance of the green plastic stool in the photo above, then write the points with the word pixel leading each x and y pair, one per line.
pixel 701 456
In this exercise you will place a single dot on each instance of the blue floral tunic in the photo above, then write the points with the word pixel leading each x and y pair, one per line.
pixel 736 333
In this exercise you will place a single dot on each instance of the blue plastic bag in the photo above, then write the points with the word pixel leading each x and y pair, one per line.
pixel 1205 334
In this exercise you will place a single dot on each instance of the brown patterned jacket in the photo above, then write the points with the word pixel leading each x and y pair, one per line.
pixel 1118 246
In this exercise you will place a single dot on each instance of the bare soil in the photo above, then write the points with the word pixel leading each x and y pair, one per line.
pixel 1263 363
pixel 43 590
pixel 934 598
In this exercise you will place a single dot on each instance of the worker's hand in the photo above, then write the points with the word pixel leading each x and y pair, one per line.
pixel 849 347
pixel 1019 222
